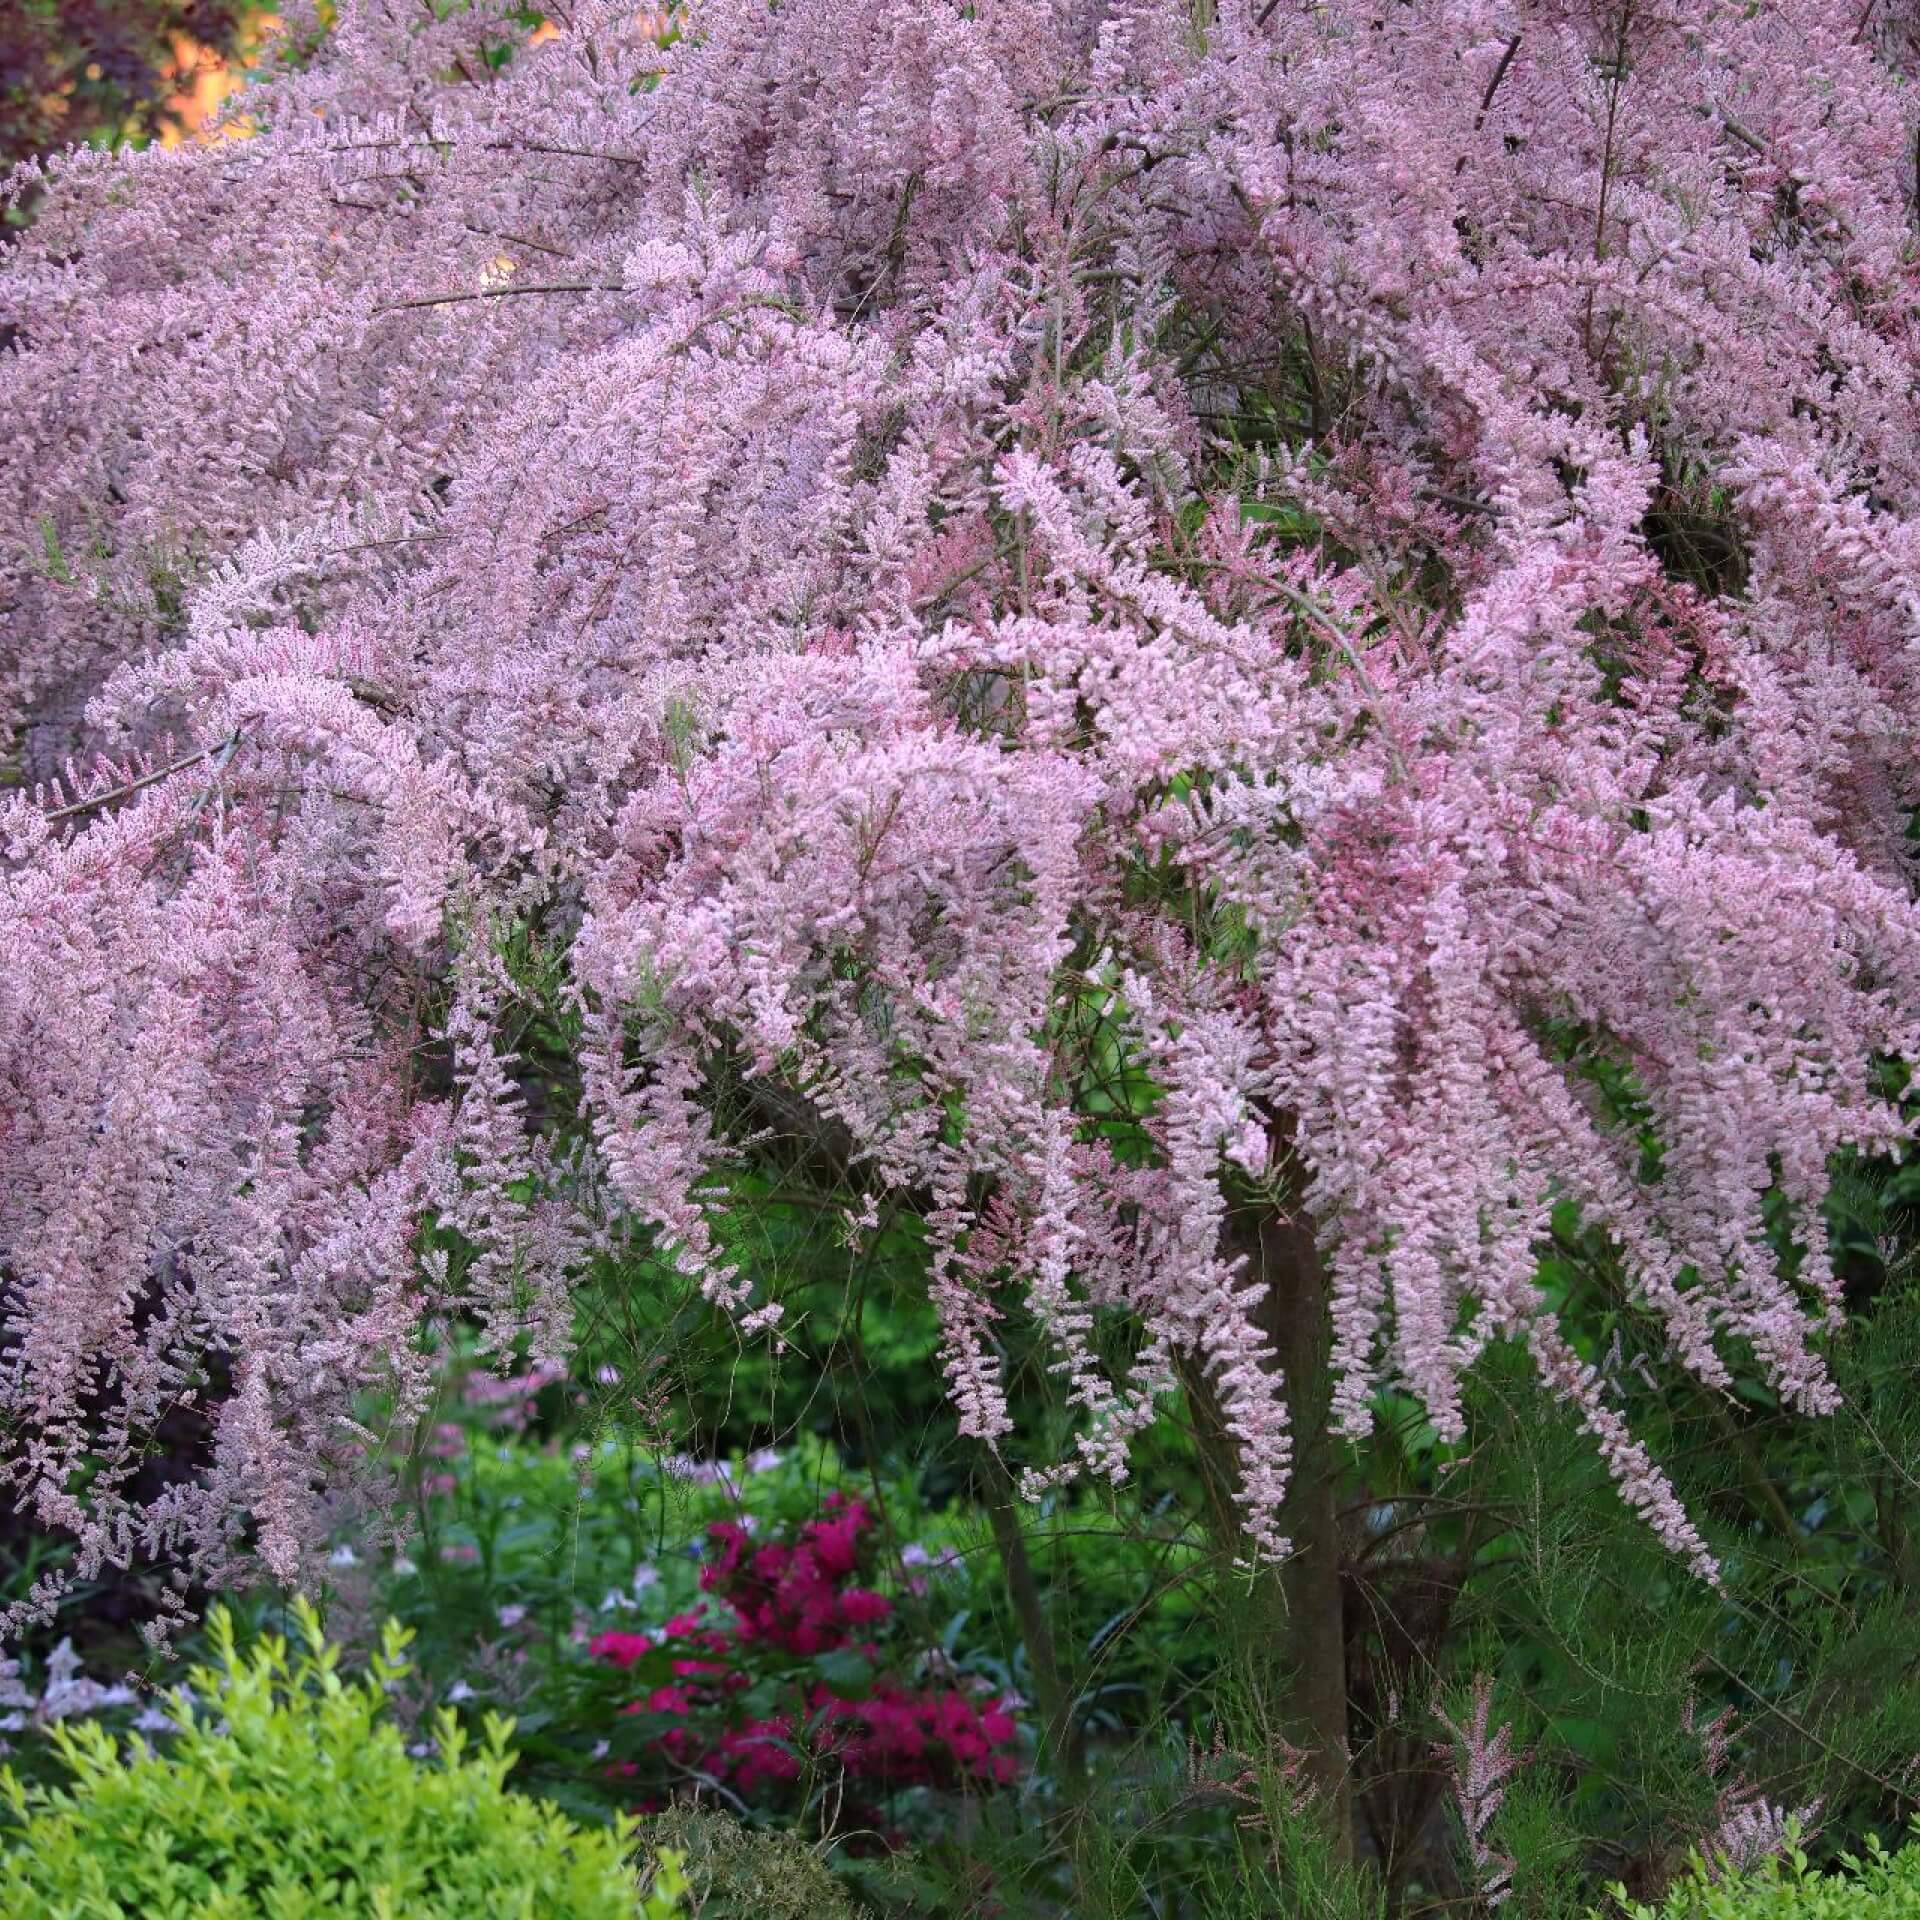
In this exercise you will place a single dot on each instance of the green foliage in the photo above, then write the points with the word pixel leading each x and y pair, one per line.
pixel 288 1793
pixel 735 1873
pixel 1510 1555
pixel 538 1516
pixel 532 1551
pixel 1221 1831
pixel 1878 1886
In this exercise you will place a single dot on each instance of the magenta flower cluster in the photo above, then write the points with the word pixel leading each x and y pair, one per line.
pixel 1351 566
pixel 798 1598
pixel 792 1595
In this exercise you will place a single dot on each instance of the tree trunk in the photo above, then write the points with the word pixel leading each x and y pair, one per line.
pixel 1289 1631
pixel 1050 1685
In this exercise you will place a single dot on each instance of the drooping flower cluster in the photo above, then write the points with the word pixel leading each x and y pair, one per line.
pixel 790 1600
pixel 1334 581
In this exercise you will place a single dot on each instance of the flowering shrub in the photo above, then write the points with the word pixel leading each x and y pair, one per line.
pixel 792 1596
pixel 792 1601
pixel 1141 623
pixel 564 1548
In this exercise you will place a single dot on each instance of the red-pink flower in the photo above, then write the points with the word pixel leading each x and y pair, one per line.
pixel 619 1649
pixel 789 1599
pixel 861 1607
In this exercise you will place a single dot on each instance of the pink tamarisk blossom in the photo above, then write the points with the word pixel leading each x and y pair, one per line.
pixel 1342 568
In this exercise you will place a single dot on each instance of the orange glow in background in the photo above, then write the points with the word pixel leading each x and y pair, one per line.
pixel 204 78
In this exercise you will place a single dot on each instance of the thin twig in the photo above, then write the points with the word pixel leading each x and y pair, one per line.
pixel 145 780
pixel 500 293
pixel 1486 99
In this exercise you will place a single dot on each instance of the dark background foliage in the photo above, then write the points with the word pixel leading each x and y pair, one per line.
pixel 81 71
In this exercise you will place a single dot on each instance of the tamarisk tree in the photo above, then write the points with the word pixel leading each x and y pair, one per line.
pixel 1250 649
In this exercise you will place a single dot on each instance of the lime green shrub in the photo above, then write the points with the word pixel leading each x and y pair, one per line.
pixel 1882 1886
pixel 288 1793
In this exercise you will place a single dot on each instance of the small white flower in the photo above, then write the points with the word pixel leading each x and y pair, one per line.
pixel 116 1696
pixel 764 1461
pixel 615 1602
pixel 458 1692
pixel 69 1691
pixel 600 1750
pixel 913 1554
pixel 512 1616
pixel 645 1575
pixel 12 1722
pixel 403 1568
pixel 342 1556
pixel 608 1376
